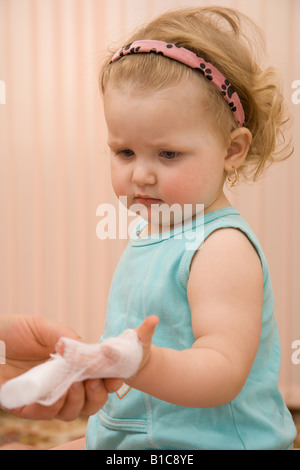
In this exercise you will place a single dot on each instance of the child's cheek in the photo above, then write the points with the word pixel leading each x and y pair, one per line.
pixel 177 191
pixel 119 184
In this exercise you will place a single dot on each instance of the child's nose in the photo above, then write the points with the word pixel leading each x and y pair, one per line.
pixel 143 175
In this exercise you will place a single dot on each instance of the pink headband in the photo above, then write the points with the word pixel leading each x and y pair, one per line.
pixel 190 59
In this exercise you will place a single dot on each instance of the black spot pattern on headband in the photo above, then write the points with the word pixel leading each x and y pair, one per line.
pixel 228 91
pixel 206 71
pixel 154 51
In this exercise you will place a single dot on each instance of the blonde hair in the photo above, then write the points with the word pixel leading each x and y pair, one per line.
pixel 233 44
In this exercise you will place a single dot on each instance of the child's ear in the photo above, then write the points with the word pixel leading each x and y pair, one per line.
pixel 238 146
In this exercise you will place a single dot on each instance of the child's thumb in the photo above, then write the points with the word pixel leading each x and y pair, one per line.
pixel 146 330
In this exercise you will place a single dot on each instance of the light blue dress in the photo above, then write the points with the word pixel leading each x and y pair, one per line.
pixel 152 278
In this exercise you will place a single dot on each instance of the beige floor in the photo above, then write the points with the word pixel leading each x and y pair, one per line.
pixel 42 435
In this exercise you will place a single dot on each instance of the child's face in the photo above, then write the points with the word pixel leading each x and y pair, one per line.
pixel 164 148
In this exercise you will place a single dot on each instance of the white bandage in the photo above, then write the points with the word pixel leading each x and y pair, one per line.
pixel 117 357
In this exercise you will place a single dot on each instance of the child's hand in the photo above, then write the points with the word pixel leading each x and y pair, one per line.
pixel 145 333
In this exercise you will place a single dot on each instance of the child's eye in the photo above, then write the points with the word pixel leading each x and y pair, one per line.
pixel 169 154
pixel 127 153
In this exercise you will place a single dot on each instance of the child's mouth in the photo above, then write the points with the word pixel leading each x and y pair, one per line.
pixel 147 201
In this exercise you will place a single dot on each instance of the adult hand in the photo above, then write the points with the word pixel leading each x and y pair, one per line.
pixel 29 341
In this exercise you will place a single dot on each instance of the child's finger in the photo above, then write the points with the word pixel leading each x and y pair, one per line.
pixel 147 328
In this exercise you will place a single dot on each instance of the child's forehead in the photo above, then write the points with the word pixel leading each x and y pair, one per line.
pixel 155 122
pixel 193 83
pixel 176 109
pixel 184 92
pixel 170 105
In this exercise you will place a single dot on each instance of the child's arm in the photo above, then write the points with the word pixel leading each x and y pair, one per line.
pixel 225 293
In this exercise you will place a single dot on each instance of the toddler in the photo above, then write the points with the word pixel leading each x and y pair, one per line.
pixel 188 108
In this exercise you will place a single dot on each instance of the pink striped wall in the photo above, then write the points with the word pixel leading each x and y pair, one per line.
pixel 54 169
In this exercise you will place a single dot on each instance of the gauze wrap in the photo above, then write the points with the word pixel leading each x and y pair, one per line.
pixel 117 357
